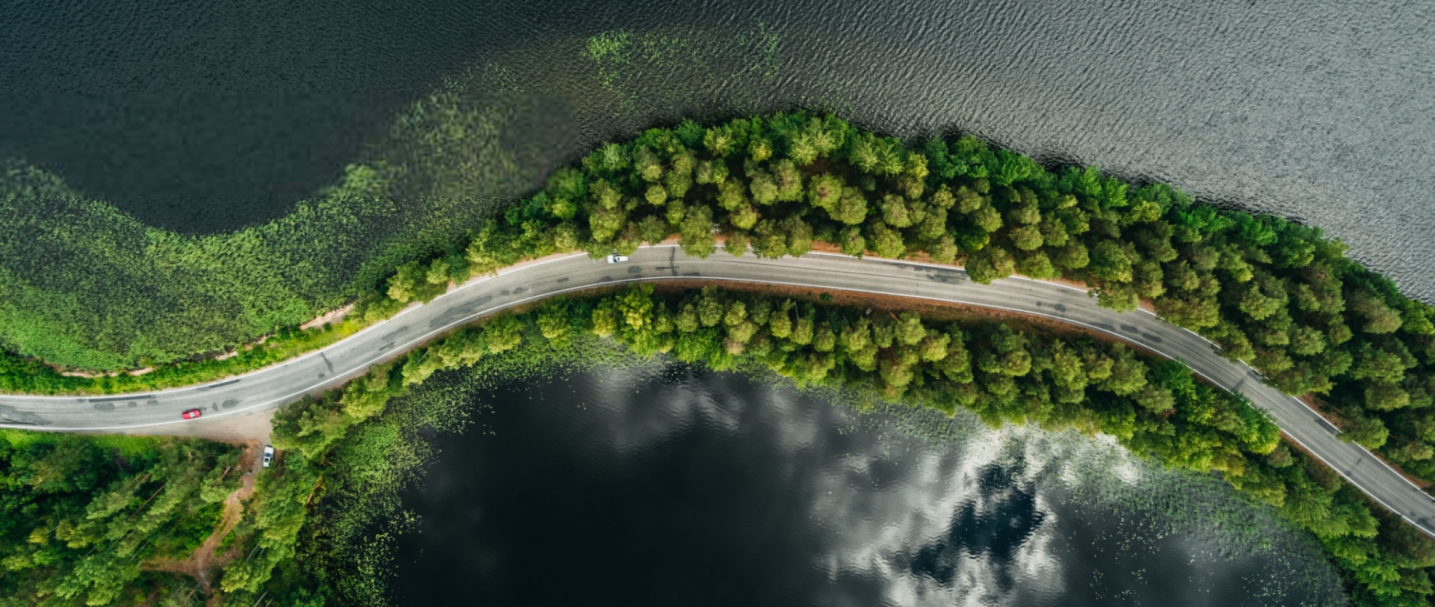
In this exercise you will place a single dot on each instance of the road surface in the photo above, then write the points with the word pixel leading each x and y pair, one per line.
pixel 272 387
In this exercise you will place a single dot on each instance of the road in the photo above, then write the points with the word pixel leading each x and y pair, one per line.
pixel 269 388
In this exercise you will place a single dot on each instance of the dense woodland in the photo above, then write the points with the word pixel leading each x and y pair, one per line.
pixel 80 517
pixel 1273 293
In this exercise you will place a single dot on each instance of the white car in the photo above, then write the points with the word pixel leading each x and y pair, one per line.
pixel 617 258
pixel 268 455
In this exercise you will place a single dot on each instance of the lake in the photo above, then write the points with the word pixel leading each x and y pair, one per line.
pixel 669 485
pixel 204 121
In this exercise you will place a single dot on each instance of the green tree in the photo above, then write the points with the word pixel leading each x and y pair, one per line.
pixel 648 166
pixel 404 286
pixel 824 339
pixel 886 242
pixel 910 331
pixel 656 195
pixel 605 319
pixel 66 467
pixel 769 239
pixel 1037 265
pixel 1008 354
pixel 944 250
pixel 780 325
pixel 934 346
pixel 1381 396
pixel 1368 432
pixel 789 181
pixel 851 207
pixel 1379 317
pixel 635 306
pixel 991 263
pixel 1128 374
pixel 1073 256
pixel 894 211
pixel 654 229
pixel 695 235
pixel 710 307
pixel 1110 262
pixel 853 243
pixel 1262 297
pixel 503 333
pixel 736 243
pixel 799 236
pixel 824 191
pixel 763 187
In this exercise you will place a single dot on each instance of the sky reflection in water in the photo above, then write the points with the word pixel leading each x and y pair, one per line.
pixel 676 488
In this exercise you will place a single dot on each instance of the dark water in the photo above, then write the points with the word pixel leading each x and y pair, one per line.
pixel 206 119
pixel 669 488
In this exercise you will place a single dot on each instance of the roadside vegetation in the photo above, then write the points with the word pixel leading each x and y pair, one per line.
pixel 1273 293
pixel 81 515
pixel 1155 408
pixel 30 376
pixel 299 530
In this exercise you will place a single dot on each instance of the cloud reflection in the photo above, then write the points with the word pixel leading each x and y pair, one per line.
pixel 708 488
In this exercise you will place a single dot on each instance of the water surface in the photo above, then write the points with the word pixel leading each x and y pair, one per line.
pixel 670 487
pixel 206 120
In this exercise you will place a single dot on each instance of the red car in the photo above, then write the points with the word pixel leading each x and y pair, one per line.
pixel 191 414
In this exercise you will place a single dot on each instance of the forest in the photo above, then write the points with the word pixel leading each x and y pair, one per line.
pixel 82 518
pixel 1276 294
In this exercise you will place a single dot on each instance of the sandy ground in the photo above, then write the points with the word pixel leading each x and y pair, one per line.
pixel 244 426
pixel 205 560
pixel 330 316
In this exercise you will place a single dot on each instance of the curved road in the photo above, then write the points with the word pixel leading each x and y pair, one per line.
pixel 278 385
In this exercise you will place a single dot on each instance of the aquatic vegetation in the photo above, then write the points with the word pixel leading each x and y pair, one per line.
pixel 82 285
pixel 85 286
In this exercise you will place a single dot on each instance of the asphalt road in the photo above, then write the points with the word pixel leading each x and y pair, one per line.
pixel 272 387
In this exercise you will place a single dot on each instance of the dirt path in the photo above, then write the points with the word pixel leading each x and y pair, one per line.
pixel 205 559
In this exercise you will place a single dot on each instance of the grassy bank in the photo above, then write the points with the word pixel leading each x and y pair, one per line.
pixel 30 376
